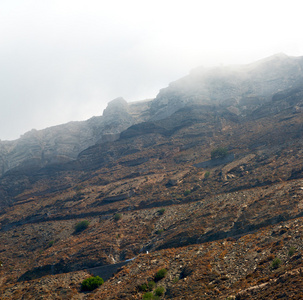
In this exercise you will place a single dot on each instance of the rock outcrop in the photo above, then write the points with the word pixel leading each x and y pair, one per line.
pixel 242 87
pixel 62 143
pixel 218 231
pixel 232 92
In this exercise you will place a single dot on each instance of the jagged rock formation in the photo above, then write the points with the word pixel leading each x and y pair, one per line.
pixel 239 88
pixel 63 143
pixel 216 227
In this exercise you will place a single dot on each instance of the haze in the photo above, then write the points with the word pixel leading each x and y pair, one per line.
pixel 65 60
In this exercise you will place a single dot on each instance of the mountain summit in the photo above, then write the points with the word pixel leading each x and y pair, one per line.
pixel 243 86
pixel 241 89
pixel 196 194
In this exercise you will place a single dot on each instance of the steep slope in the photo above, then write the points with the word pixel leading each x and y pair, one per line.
pixel 239 89
pixel 217 226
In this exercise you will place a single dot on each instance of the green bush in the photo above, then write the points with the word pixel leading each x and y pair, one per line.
pixel 148 296
pixel 143 287
pixel 275 264
pixel 176 279
pixel 159 291
pixel 160 274
pixel 151 285
pixel 91 283
pixel 291 251
pixel 219 152
pixel 206 174
pixel 50 244
pixel 80 226
pixel 161 211
pixel 117 217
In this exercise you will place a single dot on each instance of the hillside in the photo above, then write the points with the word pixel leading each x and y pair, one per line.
pixel 229 228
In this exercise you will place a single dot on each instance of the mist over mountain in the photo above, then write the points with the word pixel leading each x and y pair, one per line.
pixel 240 89
pixel 242 86
pixel 204 181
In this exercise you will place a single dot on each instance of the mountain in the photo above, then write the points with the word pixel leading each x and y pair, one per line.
pixel 62 143
pixel 241 88
pixel 145 177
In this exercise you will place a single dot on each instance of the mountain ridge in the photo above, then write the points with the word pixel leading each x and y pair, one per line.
pixel 232 85
pixel 230 228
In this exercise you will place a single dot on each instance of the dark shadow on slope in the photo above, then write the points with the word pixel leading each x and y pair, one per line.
pixel 105 271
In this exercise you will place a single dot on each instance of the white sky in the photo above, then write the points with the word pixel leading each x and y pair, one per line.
pixel 64 60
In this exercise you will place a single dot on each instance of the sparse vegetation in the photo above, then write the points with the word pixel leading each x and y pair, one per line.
pixel 117 217
pixel 91 283
pixel 80 226
pixel 275 264
pixel 50 244
pixel 218 153
pixel 143 287
pixel 291 251
pixel 161 211
pixel 186 193
pixel 151 285
pixel 148 296
pixel 206 174
pixel 220 241
pixel 159 291
pixel 176 279
pixel 160 274
pixel 147 286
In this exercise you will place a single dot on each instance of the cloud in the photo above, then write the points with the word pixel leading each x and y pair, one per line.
pixel 64 60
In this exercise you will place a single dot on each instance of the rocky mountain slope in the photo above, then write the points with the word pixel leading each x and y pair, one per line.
pixel 239 89
pixel 222 228
pixel 63 143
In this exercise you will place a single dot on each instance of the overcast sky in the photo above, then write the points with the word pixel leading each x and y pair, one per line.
pixel 65 60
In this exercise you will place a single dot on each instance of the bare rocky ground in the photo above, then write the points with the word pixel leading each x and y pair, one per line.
pixel 217 230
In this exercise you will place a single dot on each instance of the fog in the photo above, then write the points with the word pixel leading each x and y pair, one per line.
pixel 65 60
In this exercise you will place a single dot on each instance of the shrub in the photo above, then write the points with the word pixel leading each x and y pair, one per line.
pixel 291 251
pixel 91 283
pixel 186 193
pixel 151 285
pixel 160 274
pixel 219 152
pixel 148 296
pixel 176 279
pixel 143 287
pixel 275 264
pixel 159 231
pixel 117 217
pixel 159 291
pixel 80 226
pixel 50 244
pixel 206 174
pixel 161 211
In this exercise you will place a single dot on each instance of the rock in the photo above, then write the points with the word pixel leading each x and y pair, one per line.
pixel 246 85
pixel 63 143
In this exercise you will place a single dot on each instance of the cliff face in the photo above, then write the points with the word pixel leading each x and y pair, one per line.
pixel 63 143
pixel 238 91
pixel 241 88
